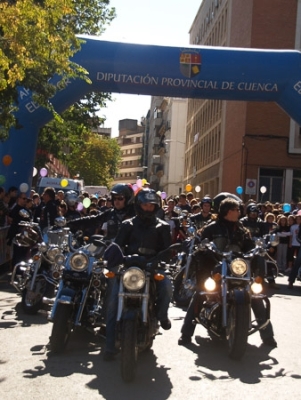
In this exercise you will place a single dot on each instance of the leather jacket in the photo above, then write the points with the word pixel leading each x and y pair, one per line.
pixel 145 238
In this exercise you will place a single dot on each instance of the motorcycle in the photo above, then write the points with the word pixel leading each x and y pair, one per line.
pixel 137 324
pixel 36 277
pixel 224 306
pixel 184 281
pixel 79 301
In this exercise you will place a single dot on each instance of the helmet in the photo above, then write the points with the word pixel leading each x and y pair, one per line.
pixel 206 199
pixel 145 196
pixel 252 207
pixel 222 196
pixel 71 198
pixel 123 189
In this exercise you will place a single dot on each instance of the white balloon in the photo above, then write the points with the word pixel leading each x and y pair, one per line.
pixel 197 189
pixel 23 187
pixel 34 172
pixel 263 189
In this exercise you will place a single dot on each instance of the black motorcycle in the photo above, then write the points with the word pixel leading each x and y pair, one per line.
pixel 224 304
pixel 137 324
pixel 184 281
pixel 38 276
pixel 80 296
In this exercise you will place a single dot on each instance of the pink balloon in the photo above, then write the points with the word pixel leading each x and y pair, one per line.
pixel 80 206
pixel 43 172
pixel 139 183
pixel 134 187
pixel 163 195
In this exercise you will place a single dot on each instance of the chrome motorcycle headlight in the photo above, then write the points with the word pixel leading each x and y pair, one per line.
pixel 239 267
pixel 43 247
pixel 52 253
pixel 79 261
pixel 133 279
pixel 59 259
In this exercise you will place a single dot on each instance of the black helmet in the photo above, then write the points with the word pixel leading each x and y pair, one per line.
pixel 122 189
pixel 222 196
pixel 206 199
pixel 145 196
pixel 71 198
pixel 252 207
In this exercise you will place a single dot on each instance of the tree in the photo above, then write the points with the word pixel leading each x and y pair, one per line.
pixel 73 143
pixel 37 40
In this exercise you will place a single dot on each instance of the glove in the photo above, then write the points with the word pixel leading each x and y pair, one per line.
pixel 113 254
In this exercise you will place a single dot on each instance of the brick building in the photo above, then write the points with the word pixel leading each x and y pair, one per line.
pixel 248 144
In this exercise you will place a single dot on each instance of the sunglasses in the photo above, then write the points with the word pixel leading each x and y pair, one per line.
pixel 23 198
pixel 119 198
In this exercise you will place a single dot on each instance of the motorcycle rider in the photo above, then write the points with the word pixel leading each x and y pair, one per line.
pixel 228 233
pixel 204 216
pixel 49 211
pixel 109 221
pixel 143 235
pixel 258 229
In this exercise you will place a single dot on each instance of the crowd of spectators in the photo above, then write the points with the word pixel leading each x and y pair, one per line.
pixel 278 219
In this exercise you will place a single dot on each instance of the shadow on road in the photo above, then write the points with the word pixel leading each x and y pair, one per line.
pixel 83 355
pixel 213 363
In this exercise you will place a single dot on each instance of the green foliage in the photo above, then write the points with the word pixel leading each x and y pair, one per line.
pixel 37 41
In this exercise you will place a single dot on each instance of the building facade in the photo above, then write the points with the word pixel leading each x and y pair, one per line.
pixel 130 140
pixel 166 141
pixel 249 144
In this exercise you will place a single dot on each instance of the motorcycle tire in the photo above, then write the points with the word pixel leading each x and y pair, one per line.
pixel 32 301
pixel 237 329
pixel 129 350
pixel 61 329
pixel 181 295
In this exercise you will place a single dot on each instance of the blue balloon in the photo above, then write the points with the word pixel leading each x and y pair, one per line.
pixel 239 190
pixel 286 207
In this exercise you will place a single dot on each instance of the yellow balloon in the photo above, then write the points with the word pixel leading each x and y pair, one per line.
pixel 144 181
pixel 64 182
pixel 188 187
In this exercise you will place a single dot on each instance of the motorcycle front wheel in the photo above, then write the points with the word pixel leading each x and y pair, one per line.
pixel 237 329
pixel 32 301
pixel 61 329
pixel 181 294
pixel 129 350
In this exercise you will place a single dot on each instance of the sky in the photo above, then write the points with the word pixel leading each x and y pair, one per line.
pixel 156 22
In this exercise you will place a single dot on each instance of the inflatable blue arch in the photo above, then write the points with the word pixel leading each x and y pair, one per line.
pixel 189 72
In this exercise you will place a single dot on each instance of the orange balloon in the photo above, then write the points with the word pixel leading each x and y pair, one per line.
pixel 188 187
pixel 7 160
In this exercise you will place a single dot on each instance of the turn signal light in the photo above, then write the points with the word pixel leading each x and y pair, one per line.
pixel 110 274
pixel 159 277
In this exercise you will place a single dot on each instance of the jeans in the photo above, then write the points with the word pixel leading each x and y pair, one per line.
pixel 296 266
pixel 163 298
pixel 257 305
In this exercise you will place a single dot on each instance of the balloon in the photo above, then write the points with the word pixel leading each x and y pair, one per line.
pixel 286 207
pixel 139 183
pixel 263 189
pixel 159 193
pixel 23 187
pixel 188 187
pixel 135 187
pixel 2 179
pixel 7 160
pixel 34 172
pixel 43 172
pixel 64 182
pixel 163 195
pixel 86 202
pixel 144 181
pixel 197 189
pixel 80 206
pixel 239 190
